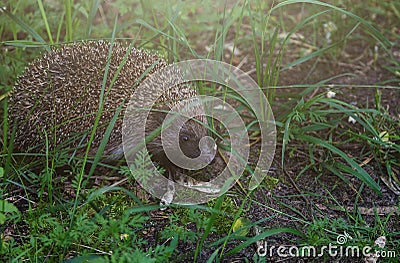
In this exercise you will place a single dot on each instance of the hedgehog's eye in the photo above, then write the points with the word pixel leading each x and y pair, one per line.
pixel 184 138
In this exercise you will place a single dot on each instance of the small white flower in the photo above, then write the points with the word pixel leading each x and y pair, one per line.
pixel 232 49
pixel 329 28
pixel 330 94
pixel 380 241
pixel 220 107
pixel 351 120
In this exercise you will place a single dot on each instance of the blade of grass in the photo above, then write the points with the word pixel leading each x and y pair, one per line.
pixel 8 148
pixel 104 141
pixel 210 223
pixel 92 14
pixel 285 139
pixel 48 176
pixel 95 125
pixel 110 126
pixel 5 123
pixel 371 29
pixel 237 215
pixel 262 236
pixel 68 21
pixel 359 172
pixel 46 23
pixel 23 43
pixel 60 27
pixel 25 27
pixel 303 59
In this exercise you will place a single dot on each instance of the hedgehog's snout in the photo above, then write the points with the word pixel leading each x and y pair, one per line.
pixel 208 148
pixel 197 146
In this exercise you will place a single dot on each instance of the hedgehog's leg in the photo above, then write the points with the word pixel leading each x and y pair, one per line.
pixel 168 196
pixel 205 187
pixel 192 183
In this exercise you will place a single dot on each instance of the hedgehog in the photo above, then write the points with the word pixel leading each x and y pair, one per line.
pixel 55 101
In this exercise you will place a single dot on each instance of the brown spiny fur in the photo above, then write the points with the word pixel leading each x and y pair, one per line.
pixel 58 97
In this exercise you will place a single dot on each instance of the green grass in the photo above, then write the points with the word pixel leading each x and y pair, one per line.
pixel 69 218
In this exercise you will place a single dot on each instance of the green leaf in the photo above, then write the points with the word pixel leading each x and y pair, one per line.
pixel 7 207
pixel 2 218
pixel 241 226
